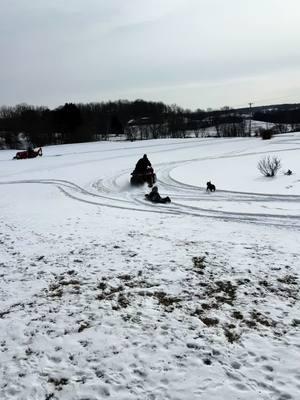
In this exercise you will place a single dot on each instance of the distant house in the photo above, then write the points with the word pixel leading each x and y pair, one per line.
pixel 145 128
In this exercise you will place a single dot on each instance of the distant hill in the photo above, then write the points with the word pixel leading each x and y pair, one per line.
pixel 271 107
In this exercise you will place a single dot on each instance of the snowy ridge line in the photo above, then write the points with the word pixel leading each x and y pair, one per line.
pixel 191 143
pixel 95 160
pixel 179 144
pixel 131 148
pixel 233 154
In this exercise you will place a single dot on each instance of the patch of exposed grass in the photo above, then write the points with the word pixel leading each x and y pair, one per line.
pixel 166 300
pixel 72 282
pixel 288 280
pixel 58 382
pixel 262 319
pixel 231 335
pixel 102 285
pixel 123 301
pixel 125 277
pixel 208 321
pixel 237 315
pixel 109 292
pixel 250 323
pixel 199 264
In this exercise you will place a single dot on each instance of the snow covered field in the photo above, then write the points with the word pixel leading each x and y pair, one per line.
pixel 104 295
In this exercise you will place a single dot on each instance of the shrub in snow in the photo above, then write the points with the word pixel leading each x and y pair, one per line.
pixel 269 166
pixel 266 134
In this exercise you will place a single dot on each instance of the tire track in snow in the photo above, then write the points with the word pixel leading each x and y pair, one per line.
pixel 179 192
pixel 78 193
pixel 69 188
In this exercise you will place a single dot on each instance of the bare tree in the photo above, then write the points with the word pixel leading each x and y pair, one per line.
pixel 269 166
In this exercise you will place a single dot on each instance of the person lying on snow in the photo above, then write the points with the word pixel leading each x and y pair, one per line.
pixel 155 197
pixel 142 165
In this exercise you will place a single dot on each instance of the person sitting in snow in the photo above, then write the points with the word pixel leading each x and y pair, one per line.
pixel 142 165
pixel 288 172
pixel 155 197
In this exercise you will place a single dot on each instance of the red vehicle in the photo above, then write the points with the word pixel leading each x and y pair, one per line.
pixel 139 179
pixel 21 155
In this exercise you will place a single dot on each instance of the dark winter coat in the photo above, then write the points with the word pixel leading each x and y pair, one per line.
pixel 155 197
pixel 142 165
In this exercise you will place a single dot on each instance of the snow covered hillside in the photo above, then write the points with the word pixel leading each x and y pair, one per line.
pixel 105 295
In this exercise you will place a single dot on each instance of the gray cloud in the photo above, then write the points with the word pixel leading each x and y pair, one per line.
pixel 178 51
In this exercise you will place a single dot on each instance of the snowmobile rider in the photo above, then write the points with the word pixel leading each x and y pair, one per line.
pixel 155 197
pixel 142 165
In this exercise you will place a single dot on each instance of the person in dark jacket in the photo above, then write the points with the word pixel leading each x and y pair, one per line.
pixel 142 165
pixel 155 197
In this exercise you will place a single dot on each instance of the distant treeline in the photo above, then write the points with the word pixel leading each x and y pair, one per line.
pixel 25 124
pixel 71 122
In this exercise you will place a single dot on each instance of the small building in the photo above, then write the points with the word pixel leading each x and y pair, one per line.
pixel 145 128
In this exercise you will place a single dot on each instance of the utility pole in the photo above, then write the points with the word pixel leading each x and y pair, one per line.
pixel 250 121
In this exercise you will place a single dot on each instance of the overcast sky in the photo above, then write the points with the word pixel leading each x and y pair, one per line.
pixel 196 53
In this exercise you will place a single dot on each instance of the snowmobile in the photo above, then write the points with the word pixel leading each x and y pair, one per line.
pixel 138 178
pixel 21 155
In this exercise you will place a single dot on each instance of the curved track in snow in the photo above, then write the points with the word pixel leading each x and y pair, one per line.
pixel 193 200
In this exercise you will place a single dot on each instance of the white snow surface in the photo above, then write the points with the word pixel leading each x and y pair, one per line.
pixel 105 295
